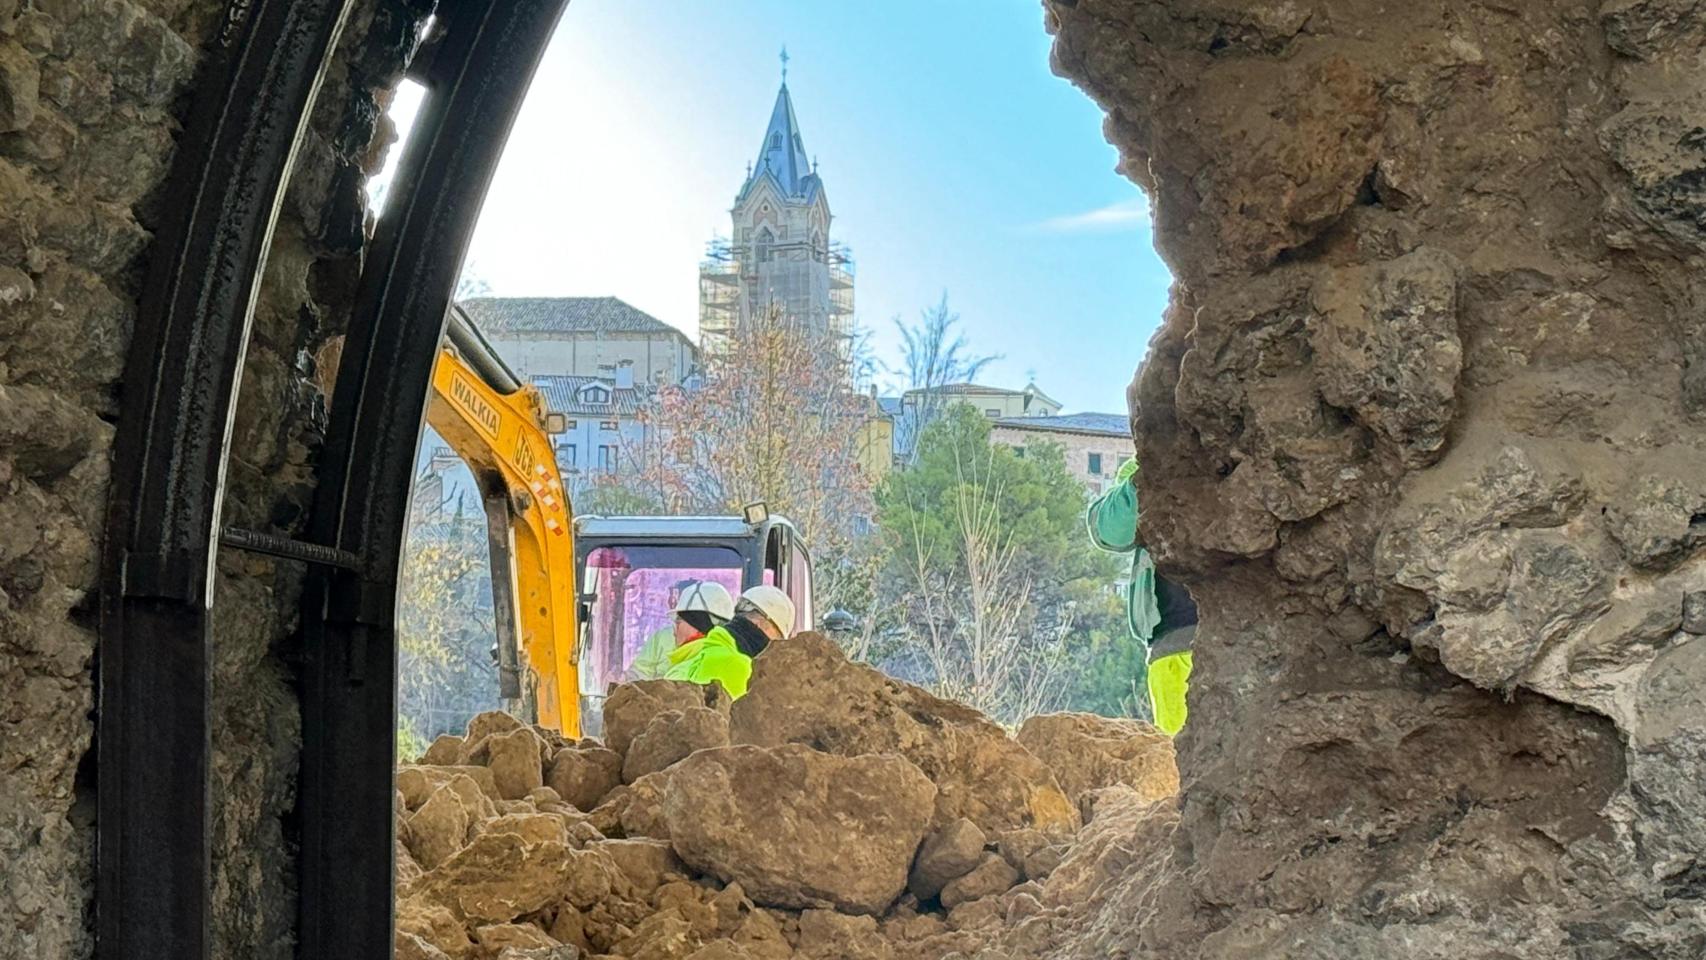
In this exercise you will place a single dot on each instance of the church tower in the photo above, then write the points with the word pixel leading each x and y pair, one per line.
pixel 779 249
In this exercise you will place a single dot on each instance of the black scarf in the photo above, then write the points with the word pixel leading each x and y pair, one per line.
pixel 748 638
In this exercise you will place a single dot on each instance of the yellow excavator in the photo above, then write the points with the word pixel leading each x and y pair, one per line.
pixel 559 651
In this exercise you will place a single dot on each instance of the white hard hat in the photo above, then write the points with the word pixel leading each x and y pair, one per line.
pixel 709 596
pixel 774 604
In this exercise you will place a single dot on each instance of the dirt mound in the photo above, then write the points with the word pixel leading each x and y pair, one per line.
pixel 808 822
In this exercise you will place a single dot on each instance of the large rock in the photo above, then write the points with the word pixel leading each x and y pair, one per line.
pixel 1087 752
pixel 992 876
pixel 584 777
pixel 670 736
pixel 500 876
pixel 418 782
pixel 806 691
pixel 827 935
pixel 446 820
pixel 950 852
pixel 631 706
pixel 434 924
pixel 513 758
pixel 497 938
pixel 799 828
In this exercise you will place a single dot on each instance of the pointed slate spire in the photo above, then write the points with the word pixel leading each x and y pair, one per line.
pixel 783 153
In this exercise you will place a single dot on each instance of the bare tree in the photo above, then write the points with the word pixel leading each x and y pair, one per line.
pixel 971 617
pixel 776 419
pixel 933 354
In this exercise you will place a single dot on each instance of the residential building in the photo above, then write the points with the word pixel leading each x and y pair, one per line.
pixel 583 337
pixel 912 408
pixel 876 437
pixel 604 429
pixel 596 360
pixel 1095 444
pixel 779 249
pixel 993 402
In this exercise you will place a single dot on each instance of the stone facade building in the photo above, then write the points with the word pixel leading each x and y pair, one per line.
pixel 1095 443
pixel 583 337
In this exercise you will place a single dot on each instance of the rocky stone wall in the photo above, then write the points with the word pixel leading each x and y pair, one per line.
pixel 1422 430
pixel 90 95
pixel 87 104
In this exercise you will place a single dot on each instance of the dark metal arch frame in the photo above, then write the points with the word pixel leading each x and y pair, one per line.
pixel 153 895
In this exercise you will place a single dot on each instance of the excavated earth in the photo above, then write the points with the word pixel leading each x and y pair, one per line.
pixel 876 821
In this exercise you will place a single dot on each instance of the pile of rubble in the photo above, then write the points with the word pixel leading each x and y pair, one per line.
pixel 831 813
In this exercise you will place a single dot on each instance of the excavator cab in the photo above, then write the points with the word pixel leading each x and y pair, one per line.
pixel 631 566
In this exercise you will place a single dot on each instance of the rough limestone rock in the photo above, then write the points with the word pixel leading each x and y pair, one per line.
pixel 670 736
pixel 486 724
pixel 530 827
pixel 445 750
pixel 1087 752
pixel 1421 431
pixel 949 852
pixel 585 777
pixel 631 706
pixel 806 691
pixel 828 935
pixel 417 782
pixel 562 951
pixel 994 875
pixel 638 807
pixel 497 938
pixel 799 828
pixel 434 924
pixel 513 759
pixel 436 831
pixel 499 877
pixel 647 863
pixel 412 947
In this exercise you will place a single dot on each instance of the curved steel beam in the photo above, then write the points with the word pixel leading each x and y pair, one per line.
pixel 476 73
pixel 254 88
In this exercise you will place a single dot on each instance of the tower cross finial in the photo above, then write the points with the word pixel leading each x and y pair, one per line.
pixel 784 64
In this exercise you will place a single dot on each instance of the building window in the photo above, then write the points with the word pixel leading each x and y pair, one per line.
pixel 1095 464
pixel 762 247
pixel 776 141
pixel 569 455
pixel 607 425
pixel 574 424
pixel 606 458
pixel 1019 452
pixel 992 413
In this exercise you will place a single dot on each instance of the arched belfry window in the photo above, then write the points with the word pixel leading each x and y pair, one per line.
pixel 761 248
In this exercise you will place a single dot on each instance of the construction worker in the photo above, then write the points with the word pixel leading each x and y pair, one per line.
pixel 699 605
pixel 1159 612
pixel 764 613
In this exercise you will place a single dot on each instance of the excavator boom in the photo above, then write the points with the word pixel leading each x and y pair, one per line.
pixel 498 427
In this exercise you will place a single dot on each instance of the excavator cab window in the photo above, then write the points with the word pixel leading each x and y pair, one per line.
pixel 789 566
pixel 627 591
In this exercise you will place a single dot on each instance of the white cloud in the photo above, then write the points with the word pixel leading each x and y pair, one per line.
pixel 1124 215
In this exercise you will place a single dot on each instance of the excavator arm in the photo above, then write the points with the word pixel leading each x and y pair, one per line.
pixel 498 426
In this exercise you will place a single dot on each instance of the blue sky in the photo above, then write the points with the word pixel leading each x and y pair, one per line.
pixel 953 158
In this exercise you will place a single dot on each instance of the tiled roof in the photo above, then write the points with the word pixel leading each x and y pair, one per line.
pixel 1093 424
pixel 500 315
pixel 563 395
pixel 950 389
